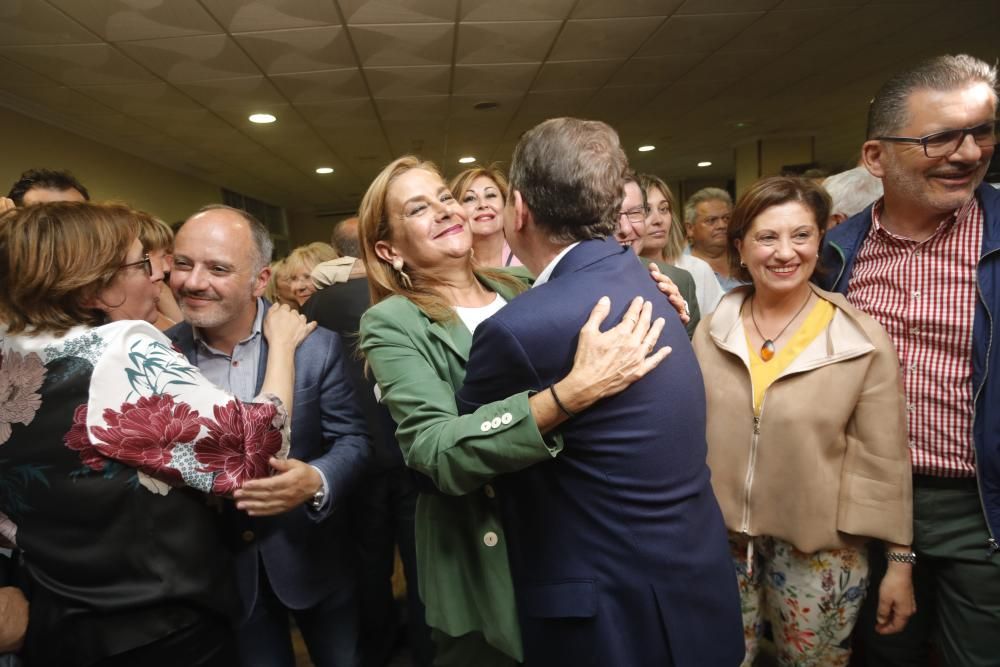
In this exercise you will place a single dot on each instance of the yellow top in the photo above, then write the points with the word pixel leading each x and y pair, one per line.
pixel 764 373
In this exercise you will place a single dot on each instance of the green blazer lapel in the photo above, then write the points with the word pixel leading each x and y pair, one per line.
pixel 454 335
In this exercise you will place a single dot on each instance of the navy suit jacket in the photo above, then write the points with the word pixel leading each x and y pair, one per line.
pixel 617 546
pixel 306 554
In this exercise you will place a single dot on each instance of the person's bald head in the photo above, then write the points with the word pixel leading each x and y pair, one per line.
pixel 345 238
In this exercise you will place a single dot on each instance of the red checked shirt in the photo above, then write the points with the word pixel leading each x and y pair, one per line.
pixel 924 294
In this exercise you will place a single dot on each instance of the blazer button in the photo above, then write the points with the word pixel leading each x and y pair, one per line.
pixel 490 539
pixel 496 422
pixel 489 491
pixel 485 426
pixel 506 418
pixel 248 536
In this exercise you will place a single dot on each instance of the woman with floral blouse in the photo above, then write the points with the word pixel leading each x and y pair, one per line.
pixel 109 440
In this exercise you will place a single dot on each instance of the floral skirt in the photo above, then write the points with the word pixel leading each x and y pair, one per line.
pixel 810 601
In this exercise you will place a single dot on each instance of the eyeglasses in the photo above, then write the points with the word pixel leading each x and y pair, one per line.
pixel 145 262
pixel 942 144
pixel 635 215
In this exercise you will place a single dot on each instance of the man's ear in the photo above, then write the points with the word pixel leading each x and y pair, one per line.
pixel 522 215
pixel 873 157
pixel 385 251
pixel 260 282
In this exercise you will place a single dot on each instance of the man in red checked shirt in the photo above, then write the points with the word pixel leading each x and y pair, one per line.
pixel 924 260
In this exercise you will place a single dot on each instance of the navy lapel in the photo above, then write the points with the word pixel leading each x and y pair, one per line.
pixel 587 253
pixel 262 359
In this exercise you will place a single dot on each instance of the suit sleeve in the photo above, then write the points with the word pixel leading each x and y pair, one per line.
pixel 345 434
pixel 458 453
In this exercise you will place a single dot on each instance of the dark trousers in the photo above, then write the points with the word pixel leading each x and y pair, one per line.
pixel 330 630
pixel 382 511
pixel 956 585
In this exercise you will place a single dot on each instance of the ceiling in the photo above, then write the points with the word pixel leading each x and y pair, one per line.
pixel 355 83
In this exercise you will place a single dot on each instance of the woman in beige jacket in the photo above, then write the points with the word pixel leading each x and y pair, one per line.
pixel 806 435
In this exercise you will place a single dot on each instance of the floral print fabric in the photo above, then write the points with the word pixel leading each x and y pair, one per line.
pixel 811 601
pixel 147 408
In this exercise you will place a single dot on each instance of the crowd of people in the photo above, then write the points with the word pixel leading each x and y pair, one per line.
pixel 595 427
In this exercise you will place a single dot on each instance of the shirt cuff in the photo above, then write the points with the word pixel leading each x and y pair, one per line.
pixel 326 489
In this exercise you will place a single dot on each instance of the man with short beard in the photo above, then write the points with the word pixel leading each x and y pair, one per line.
pixel 295 553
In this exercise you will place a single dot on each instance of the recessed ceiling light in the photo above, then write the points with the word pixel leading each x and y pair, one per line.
pixel 262 118
pixel 646 148
pixel 468 159
pixel 706 163
pixel 324 170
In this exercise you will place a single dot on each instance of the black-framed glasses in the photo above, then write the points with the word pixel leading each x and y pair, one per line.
pixel 145 262
pixel 942 144
pixel 635 215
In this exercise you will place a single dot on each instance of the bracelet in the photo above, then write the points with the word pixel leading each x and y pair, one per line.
pixel 901 557
pixel 555 397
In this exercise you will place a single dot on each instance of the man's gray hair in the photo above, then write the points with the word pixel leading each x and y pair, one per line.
pixel 700 197
pixel 569 173
pixel 852 191
pixel 262 242
pixel 888 111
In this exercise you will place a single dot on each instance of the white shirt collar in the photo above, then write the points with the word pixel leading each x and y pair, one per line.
pixel 546 273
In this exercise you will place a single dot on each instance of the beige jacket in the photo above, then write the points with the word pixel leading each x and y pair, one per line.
pixel 827 464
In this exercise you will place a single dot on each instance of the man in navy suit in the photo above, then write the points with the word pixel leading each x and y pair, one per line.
pixel 617 546
pixel 295 553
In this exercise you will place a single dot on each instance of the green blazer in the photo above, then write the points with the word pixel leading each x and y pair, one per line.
pixel 464 576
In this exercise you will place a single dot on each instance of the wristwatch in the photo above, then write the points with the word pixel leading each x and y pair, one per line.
pixel 901 557
pixel 318 498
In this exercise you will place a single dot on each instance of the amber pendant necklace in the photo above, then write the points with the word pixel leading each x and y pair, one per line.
pixel 767 349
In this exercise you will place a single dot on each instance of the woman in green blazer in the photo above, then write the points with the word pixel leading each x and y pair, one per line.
pixel 428 297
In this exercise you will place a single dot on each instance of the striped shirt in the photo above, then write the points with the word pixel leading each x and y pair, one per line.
pixel 924 294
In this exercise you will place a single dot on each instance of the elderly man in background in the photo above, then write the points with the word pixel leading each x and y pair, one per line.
pixel 924 260
pixel 706 216
pixel 851 191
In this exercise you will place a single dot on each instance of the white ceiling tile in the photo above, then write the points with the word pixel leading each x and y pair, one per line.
pixel 114 123
pixel 198 58
pixel 398 11
pixel 402 45
pixel 697 34
pixel 616 103
pixel 119 20
pixel 423 138
pixel 325 86
pixel 408 81
pixel 603 38
pixel 397 110
pixel 655 69
pixel 12 74
pixel 725 6
pixel 576 74
pixel 599 9
pixel 25 23
pixel 141 98
pixel 476 132
pixel 486 80
pixel 505 42
pixel 728 67
pixel 60 99
pixel 251 15
pixel 817 4
pixel 786 28
pixel 244 94
pixel 300 50
pixel 78 64
pixel 463 108
pixel 340 114
pixel 549 104
pixel 185 125
pixel 514 10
